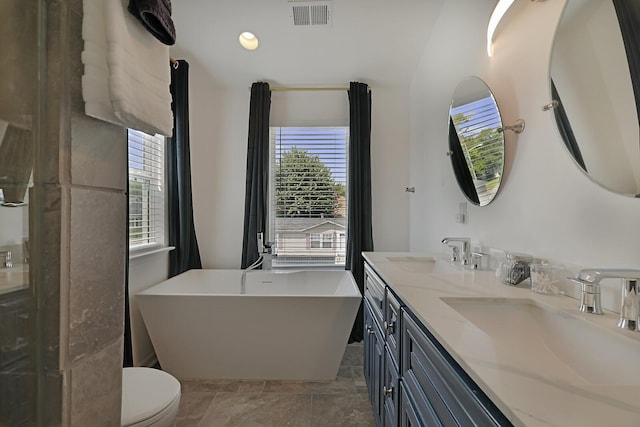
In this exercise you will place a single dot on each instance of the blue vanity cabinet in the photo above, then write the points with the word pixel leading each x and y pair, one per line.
pixel 439 385
pixel 381 367
pixel 412 379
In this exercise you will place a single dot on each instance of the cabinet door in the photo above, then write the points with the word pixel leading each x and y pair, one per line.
pixel 369 343
pixel 374 293
pixel 409 414
pixel 391 325
pixel 456 399
pixel 374 362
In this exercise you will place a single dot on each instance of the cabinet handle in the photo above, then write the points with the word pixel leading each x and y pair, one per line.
pixel 389 326
pixel 387 391
pixel 370 331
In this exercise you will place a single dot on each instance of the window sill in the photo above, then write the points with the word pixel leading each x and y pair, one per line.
pixel 143 252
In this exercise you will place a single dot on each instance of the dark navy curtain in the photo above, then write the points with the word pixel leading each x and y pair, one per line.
pixel 628 12
pixel 460 166
pixel 360 230
pixel 257 178
pixel 127 360
pixel 182 233
pixel 566 131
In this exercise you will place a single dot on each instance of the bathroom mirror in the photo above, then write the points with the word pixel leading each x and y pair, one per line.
pixel 18 78
pixel 594 105
pixel 476 141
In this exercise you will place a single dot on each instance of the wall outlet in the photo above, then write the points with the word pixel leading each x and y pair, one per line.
pixel 461 216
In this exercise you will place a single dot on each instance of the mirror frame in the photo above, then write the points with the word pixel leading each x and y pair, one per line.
pixel 485 132
pixel 617 168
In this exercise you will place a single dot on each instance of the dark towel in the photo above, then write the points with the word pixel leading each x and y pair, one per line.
pixel 155 16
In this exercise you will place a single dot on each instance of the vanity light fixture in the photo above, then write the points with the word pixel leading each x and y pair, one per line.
pixel 248 40
pixel 496 16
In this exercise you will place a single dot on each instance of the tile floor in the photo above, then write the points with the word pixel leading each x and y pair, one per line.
pixel 247 403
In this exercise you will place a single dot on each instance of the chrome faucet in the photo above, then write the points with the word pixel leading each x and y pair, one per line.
pixel 465 247
pixel 589 281
pixel 7 263
pixel 267 255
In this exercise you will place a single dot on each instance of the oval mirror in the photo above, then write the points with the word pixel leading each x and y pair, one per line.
pixel 476 141
pixel 593 91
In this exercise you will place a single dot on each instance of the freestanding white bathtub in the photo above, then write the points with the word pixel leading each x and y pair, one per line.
pixel 288 325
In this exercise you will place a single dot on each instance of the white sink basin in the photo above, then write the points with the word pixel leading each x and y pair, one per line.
pixel 552 342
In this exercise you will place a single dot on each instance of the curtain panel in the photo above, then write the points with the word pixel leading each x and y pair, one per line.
pixel 256 203
pixel 628 13
pixel 460 166
pixel 360 230
pixel 182 233
pixel 566 131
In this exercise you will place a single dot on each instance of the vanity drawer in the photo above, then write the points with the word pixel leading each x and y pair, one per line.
pixel 456 399
pixel 374 293
pixel 391 325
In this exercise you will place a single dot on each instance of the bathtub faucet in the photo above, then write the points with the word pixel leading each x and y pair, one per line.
pixel 267 255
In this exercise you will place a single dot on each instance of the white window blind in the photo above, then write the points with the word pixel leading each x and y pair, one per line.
pixel 477 124
pixel 146 192
pixel 309 195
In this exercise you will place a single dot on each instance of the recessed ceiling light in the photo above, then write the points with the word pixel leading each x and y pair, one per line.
pixel 248 40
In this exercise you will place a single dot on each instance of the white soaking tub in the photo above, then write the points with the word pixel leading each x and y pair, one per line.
pixel 287 325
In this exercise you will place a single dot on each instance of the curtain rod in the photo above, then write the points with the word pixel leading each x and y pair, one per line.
pixel 317 89
pixel 287 89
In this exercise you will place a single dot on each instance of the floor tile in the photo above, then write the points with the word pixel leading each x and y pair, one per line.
pixel 248 403
pixel 343 411
pixel 193 405
pixel 258 409
pixel 353 355
pixel 222 385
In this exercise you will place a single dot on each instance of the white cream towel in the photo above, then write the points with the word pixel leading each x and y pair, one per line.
pixel 127 74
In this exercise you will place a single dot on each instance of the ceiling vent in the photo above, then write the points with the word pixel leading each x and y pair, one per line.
pixel 311 13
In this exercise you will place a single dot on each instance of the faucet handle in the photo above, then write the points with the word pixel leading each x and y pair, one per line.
pixel 589 296
pixel 630 305
pixel 455 253
pixel 476 260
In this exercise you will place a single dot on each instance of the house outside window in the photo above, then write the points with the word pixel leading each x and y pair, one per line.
pixel 146 189
pixel 308 200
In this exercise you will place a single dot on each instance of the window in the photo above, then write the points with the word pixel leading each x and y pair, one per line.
pixel 308 198
pixel 146 182
pixel 321 240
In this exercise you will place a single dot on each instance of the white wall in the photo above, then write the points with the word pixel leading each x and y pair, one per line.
pixel 546 206
pixel 219 123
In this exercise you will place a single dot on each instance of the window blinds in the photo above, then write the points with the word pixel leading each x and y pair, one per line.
pixel 146 182
pixel 308 195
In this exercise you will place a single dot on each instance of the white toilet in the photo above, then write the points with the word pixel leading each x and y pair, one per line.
pixel 150 397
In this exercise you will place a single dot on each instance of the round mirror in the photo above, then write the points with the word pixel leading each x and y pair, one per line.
pixel 476 141
pixel 593 90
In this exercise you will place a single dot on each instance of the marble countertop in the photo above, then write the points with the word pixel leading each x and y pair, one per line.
pixel 530 392
pixel 14 278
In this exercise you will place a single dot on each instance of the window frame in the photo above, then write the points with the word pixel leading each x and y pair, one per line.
pixel 156 198
pixel 333 237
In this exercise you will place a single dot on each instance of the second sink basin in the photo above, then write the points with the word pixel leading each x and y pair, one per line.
pixel 552 342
